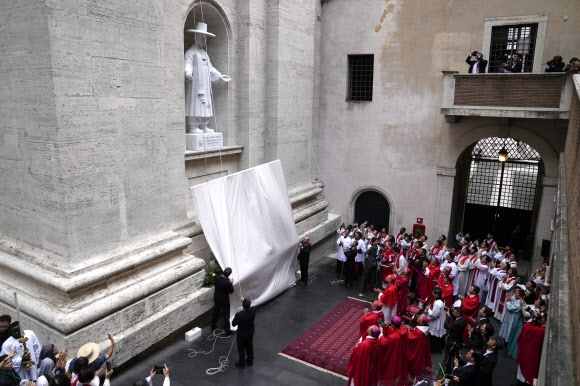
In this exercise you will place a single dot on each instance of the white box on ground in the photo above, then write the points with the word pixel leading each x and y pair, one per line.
pixel 192 335
pixel 213 141
pixel 194 142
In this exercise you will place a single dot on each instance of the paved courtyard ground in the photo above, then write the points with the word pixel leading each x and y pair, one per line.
pixel 278 323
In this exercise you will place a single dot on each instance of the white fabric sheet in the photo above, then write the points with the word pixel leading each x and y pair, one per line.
pixel 247 220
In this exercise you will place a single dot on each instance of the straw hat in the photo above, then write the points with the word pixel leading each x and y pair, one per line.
pixel 201 28
pixel 90 351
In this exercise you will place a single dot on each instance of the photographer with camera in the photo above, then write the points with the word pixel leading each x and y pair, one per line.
pixel 555 65
pixel 467 372
pixel 455 323
pixel 477 63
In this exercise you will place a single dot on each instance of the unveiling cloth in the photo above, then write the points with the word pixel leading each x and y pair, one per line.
pixel 247 220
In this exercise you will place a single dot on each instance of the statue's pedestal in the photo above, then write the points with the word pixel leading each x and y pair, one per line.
pixel 201 142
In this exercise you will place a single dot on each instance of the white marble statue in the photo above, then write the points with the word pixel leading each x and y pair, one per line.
pixel 199 75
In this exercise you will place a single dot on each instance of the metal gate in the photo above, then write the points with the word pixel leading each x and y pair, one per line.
pixel 500 196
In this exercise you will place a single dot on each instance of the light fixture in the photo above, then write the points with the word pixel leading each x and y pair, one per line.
pixel 503 155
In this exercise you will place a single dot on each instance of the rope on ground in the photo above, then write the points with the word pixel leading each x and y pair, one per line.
pixel 223 360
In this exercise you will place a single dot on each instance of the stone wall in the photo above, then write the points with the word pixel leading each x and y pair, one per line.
pixel 400 143
pixel 572 157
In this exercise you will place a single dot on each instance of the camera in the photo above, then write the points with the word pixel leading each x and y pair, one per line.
pixel 158 369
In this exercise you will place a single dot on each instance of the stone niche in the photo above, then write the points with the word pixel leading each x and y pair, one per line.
pixel 220 51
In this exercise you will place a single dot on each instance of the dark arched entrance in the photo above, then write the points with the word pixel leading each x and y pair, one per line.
pixel 372 207
pixel 495 197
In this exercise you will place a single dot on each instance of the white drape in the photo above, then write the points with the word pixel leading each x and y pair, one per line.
pixel 247 220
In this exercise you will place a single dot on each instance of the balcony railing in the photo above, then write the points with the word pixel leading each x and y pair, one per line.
pixel 526 95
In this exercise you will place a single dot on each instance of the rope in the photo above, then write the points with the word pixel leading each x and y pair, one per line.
pixel 217 334
pixel 223 360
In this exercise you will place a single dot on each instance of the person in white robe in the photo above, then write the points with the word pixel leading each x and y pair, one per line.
pixel 463 265
pixel 496 274
pixel 481 271
pixel 436 313
pixel 451 264
pixel 199 76
pixel 361 248
pixel 507 287
pixel 32 344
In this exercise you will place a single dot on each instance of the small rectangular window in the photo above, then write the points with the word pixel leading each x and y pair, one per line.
pixel 360 77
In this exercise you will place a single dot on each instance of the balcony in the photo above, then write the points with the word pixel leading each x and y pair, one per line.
pixel 526 95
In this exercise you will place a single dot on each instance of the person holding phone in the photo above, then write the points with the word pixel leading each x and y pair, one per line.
pixel 154 370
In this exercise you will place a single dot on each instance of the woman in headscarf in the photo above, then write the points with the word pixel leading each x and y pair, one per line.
pixel 47 361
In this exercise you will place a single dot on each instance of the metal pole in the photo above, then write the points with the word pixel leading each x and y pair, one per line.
pixel 498 197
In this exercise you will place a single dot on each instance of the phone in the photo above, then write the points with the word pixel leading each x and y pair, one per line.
pixel 158 369
pixel 108 364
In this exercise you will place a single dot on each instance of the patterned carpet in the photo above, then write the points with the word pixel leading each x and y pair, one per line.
pixel 328 344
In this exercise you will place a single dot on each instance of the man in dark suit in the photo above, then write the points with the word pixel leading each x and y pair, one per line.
pixel 477 63
pixel 476 338
pixel 304 258
pixel 221 298
pixel 468 374
pixel 245 320
pixel 489 361
pixel 516 65
pixel 456 324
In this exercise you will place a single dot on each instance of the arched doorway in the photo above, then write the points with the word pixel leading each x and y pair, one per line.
pixel 373 207
pixel 500 198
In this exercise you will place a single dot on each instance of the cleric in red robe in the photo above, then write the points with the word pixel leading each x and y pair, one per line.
pixel 389 297
pixel 470 305
pixel 403 289
pixel 447 289
pixel 530 343
pixel 418 347
pixel 434 274
pixel 371 318
pixel 393 362
pixel 363 367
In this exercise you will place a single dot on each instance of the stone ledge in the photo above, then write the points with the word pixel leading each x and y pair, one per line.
pixel 74 280
pixel 507 112
pixel 222 152
pixel 66 315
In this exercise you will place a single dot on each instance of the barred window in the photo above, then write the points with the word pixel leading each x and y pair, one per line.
pixel 360 77
pixel 507 40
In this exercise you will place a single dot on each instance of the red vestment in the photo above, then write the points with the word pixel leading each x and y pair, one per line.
pixel 530 345
pixel 372 319
pixel 418 351
pixel 447 295
pixel 403 289
pixel 470 306
pixel 393 362
pixel 389 259
pixel 363 367
pixel 390 296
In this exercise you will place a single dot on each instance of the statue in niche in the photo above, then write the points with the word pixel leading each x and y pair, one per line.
pixel 199 75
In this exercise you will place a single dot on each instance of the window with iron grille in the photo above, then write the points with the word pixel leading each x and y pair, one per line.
pixel 360 78
pixel 516 179
pixel 507 40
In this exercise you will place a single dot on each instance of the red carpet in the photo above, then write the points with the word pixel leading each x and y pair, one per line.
pixel 329 343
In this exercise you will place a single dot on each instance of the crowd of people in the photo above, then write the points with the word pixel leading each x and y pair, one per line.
pixel 25 362
pixel 439 299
